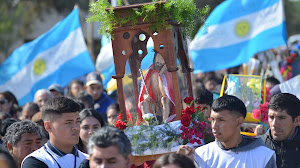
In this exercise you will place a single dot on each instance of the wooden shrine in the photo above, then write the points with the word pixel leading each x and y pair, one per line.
pixel 130 44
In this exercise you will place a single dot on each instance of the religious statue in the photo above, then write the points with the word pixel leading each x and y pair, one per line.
pixel 156 95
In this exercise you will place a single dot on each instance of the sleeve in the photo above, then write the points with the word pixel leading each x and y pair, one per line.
pixel 272 162
pixel 32 162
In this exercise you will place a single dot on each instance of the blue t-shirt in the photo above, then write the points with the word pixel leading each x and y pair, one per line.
pixel 102 104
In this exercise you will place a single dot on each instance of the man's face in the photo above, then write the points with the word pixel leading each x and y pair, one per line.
pixel 210 85
pixel 65 129
pixel 28 143
pixel 109 157
pixel 281 124
pixel 159 62
pixel 41 99
pixel 206 108
pixel 95 91
pixel 224 126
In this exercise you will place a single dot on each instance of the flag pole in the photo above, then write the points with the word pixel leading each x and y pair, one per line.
pixel 87 34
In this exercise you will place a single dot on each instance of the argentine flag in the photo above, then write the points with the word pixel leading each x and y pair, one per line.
pixel 58 56
pixel 235 31
pixel 105 62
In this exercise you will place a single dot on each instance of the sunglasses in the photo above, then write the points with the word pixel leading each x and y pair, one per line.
pixel 3 101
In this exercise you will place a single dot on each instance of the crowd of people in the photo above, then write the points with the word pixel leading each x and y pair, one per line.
pixel 75 128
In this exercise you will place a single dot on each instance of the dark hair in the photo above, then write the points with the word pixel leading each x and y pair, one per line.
pixel 174 158
pixel 286 101
pixel 272 80
pixel 91 113
pixel 5 155
pixel 31 105
pixel 57 106
pixel 88 113
pixel 69 93
pixel 110 136
pixel 231 103
pixel 82 97
pixel 14 132
pixel 10 97
pixel 203 96
pixel 5 124
pixel 14 105
pixel 114 106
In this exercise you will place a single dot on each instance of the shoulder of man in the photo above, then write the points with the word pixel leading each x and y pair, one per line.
pixel 35 159
pixel 32 162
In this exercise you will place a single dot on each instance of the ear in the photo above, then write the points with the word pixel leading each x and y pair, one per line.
pixel 9 147
pixel 297 121
pixel 240 121
pixel 129 160
pixel 47 125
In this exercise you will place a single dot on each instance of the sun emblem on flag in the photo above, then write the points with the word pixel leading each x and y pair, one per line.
pixel 39 66
pixel 242 28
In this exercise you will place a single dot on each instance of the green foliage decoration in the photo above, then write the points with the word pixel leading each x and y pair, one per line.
pixel 183 12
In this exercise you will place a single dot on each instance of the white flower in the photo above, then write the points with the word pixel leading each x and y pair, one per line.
pixel 148 116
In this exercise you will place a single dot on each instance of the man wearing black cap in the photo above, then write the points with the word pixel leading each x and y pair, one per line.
pixel 94 87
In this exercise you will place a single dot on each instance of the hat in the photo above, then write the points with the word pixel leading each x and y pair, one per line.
pixel 56 87
pixel 93 78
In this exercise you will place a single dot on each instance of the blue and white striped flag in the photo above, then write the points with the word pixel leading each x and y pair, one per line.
pixel 57 56
pixel 235 31
pixel 105 61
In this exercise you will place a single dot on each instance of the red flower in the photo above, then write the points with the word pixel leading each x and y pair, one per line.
pixel 199 108
pixel 256 113
pixel 289 60
pixel 120 124
pixel 190 110
pixel 119 117
pixel 188 100
pixel 185 120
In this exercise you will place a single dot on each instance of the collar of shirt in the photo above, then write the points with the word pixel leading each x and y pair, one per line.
pixel 61 153
pixel 296 132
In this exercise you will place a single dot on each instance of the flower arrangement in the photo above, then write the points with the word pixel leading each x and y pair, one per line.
pixel 261 113
pixel 194 126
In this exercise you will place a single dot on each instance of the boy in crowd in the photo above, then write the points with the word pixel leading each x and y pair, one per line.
pixel 203 98
pixel 62 122
pixel 231 149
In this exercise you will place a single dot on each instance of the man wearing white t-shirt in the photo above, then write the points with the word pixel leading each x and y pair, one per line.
pixel 62 122
pixel 231 149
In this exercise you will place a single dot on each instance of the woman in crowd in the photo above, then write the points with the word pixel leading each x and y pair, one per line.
pixel 8 103
pixel 74 87
pixel 90 121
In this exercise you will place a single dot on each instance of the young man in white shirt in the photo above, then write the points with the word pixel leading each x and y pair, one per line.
pixel 231 149
pixel 62 122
